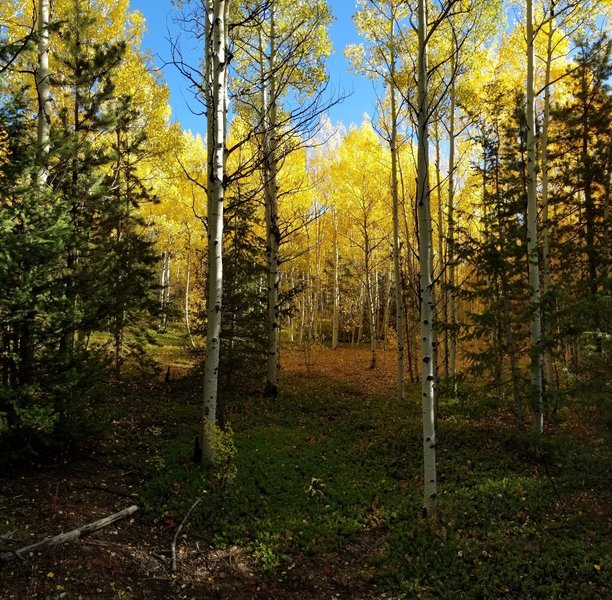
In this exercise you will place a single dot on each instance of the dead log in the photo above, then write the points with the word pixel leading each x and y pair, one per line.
pixel 69 536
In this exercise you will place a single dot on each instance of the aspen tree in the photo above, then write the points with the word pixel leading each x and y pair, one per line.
pixel 532 231
pixel 444 14
pixel 164 290
pixel 285 56
pixel 270 175
pixel 336 284
pixel 216 59
pixel 43 90
pixel 425 261
pixel 451 250
pixel 397 271
pixel 378 22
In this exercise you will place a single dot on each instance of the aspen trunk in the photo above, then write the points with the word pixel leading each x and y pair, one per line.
pixel 532 233
pixel 290 315
pixel 547 356
pixel 316 288
pixel 409 343
pixel 426 278
pixel 217 67
pixel 377 297
pixel 360 310
pixel 370 298
pixel 302 316
pixel 336 291
pixel 43 90
pixel 187 290
pixel 25 333
pixel 452 310
pixel 165 290
pixel 386 307
pixel 410 339
pixel 397 271
pixel 443 307
pixel 270 172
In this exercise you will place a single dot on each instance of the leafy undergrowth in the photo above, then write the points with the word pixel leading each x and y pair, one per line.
pixel 326 495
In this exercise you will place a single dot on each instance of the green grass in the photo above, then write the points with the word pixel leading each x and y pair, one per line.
pixel 323 465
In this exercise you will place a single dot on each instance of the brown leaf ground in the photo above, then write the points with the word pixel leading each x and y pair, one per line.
pixel 131 559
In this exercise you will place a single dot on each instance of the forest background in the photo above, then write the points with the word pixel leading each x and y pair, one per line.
pixel 462 228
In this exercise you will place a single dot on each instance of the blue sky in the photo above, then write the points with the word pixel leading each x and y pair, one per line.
pixel 158 14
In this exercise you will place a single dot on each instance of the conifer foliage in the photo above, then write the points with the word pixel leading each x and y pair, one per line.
pixel 77 261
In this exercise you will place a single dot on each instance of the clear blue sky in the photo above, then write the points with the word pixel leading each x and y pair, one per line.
pixel 158 14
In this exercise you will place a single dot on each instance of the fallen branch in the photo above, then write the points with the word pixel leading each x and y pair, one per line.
pixel 9 538
pixel 180 528
pixel 70 535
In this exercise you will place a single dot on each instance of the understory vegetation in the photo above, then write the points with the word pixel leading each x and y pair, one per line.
pixel 325 484
pixel 326 465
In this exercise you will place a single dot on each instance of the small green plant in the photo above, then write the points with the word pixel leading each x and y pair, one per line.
pixel 266 551
pixel 224 456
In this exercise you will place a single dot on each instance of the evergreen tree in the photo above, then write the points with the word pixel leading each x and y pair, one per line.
pixel 497 290
pixel 581 296
pixel 98 144
pixel 33 233
pixel 77 258
pixel 132 290
pixel 243 349
pixel 81 171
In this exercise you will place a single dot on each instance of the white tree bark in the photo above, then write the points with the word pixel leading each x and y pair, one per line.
pixel 547 356
pixel 426 276
pixel 532 231
pixel 397 270
pixel 187 291
pixel 452 310
pixel 43 90
pixel 370 294
pixel 270 173
pixel 217 68
pixel 336 291
pixel 165 289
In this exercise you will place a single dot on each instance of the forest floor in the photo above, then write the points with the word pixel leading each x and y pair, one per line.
pixel 322 499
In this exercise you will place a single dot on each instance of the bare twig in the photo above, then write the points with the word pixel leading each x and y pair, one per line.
pixel 180 528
